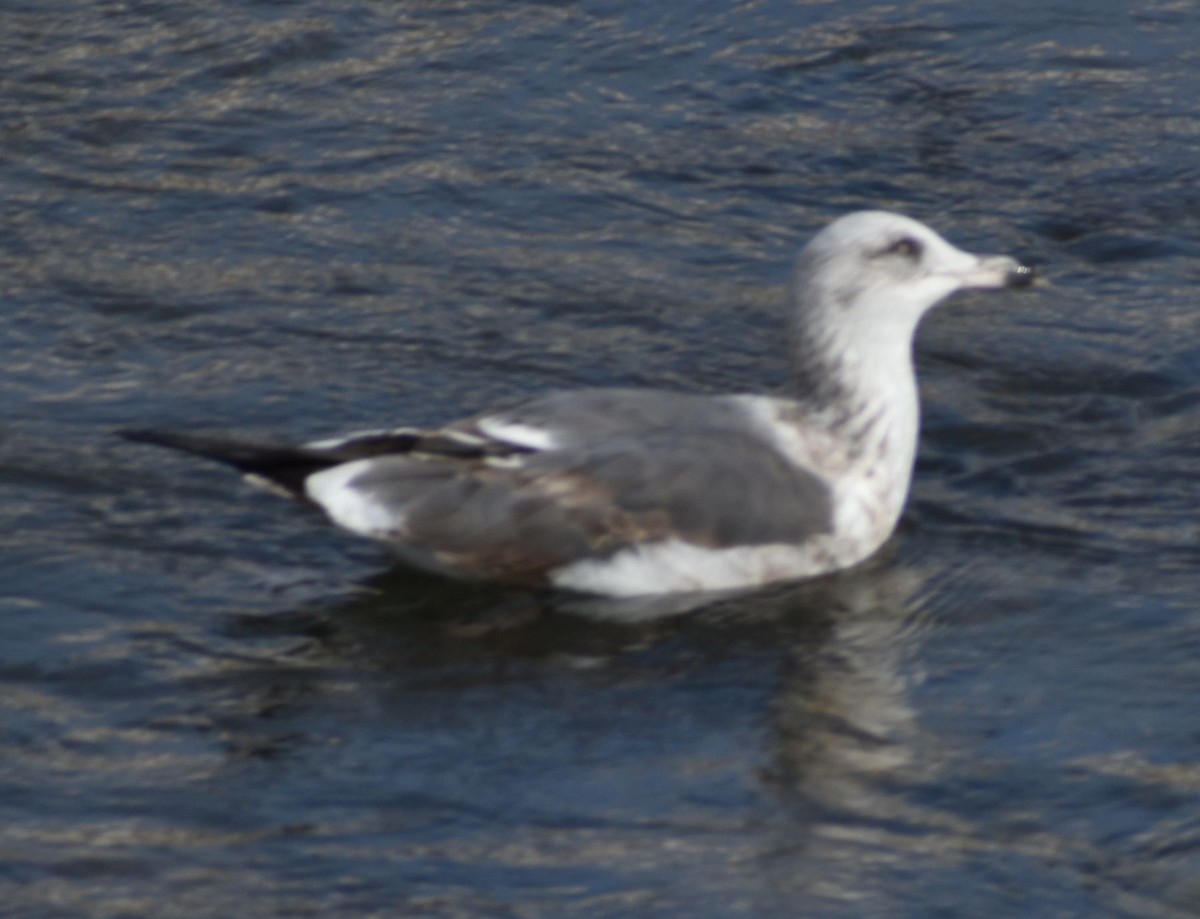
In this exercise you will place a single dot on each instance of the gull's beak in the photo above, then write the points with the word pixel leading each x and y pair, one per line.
pixel 996 271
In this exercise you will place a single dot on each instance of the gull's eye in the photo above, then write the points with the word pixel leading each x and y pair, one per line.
pixel 906 247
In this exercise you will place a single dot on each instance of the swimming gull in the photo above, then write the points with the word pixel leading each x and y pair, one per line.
pixel 629 492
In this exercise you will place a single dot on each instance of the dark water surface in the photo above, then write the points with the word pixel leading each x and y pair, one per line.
pixel 297 218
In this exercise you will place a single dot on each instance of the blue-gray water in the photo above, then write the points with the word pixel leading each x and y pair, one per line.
pixel 297 218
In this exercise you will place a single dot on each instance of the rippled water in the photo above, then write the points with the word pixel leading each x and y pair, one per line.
pixel 294 218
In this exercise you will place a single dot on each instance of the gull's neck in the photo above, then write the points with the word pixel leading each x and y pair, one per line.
pixel 857 386
pixel 847 375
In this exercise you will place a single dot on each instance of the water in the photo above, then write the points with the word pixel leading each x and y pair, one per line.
pixel 294 218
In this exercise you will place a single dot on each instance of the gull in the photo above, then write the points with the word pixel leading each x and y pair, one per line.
pixel 635 492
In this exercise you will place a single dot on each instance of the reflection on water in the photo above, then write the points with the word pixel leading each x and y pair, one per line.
pixel 295 220
pixel 515 741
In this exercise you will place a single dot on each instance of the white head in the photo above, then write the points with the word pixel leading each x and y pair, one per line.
pixel 859 290
pixel 877 272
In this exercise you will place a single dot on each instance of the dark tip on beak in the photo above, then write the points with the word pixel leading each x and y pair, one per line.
pixel 1022 276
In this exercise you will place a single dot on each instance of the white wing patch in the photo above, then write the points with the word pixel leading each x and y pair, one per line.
pixel 517 434
pixel 332 443
pixel 349 507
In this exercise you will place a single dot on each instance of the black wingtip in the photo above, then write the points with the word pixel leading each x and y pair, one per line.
pixel 285 466
pixel 224 449
pixel 146 436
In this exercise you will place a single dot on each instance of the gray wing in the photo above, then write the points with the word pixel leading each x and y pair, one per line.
pixel 573 417
pixel 521 516
pixel 517 493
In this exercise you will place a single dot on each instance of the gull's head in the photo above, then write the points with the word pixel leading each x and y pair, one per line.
pixel 882 271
